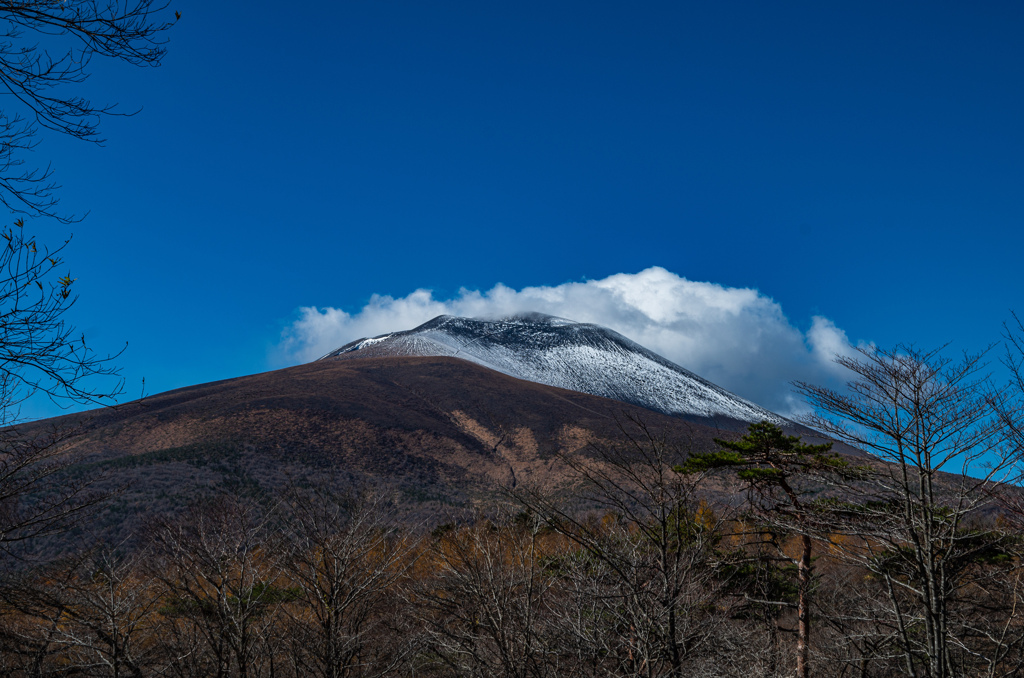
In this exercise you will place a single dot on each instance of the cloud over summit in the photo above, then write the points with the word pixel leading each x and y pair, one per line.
pixel 735 337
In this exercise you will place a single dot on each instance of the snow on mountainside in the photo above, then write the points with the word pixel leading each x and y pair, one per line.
pixel 576 356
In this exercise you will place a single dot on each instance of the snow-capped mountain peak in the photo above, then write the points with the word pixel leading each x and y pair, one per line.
pixel 559 352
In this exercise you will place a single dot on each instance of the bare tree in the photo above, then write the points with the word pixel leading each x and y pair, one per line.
pixel 99 610
pixel 917 522
pixel 46 47
pixel 649 564
pixel 856 633
pixel 484 606
pixel 221 573
pixel 40 355
pixel 347 557
pixel 30 620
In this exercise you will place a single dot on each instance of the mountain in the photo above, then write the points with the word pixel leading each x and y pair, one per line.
pixel 439 433
pixel 576 356
pixel 440 416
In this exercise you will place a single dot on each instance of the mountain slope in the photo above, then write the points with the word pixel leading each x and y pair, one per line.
pixel 576 356
pixel 439 433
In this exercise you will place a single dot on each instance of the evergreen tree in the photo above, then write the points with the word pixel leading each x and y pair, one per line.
pixel 778 471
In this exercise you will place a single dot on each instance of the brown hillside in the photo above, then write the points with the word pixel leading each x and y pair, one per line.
pixel 441 432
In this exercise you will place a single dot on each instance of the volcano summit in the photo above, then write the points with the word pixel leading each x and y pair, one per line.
pixel 576 356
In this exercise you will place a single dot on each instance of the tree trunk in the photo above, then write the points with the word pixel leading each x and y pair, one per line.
pixel 803 613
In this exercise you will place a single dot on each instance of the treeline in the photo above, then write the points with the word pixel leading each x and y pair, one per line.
pixel 649 580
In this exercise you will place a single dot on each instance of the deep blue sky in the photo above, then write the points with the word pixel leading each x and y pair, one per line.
pixel 861 161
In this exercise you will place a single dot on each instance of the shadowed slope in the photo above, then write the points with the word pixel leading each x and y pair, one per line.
pixel 441 432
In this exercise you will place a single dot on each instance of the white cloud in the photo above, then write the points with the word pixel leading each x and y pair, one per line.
pixel 735 337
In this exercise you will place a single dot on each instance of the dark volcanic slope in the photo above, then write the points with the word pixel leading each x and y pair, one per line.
pixel 327 409
pixel 441 431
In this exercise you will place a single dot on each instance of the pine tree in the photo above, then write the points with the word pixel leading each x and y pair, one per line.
pixel 777 470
